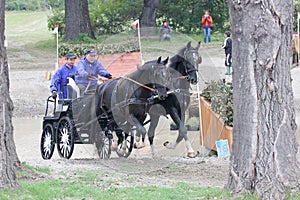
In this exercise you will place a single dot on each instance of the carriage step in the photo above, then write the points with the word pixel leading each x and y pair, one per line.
pixel 82 138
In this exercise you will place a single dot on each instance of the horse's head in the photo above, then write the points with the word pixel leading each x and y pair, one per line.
pixel 191 61
pixel 157 76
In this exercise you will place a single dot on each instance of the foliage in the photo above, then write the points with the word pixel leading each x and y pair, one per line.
pixel 57 18
pixel 79 49
pixel 185 16
pixel 110 17
pixel 32 5
pixel 297 10
pixel 193 121
pixel 219 94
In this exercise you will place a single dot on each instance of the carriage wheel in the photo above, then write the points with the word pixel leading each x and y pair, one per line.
pixel 103 145
pixel 128 139
pixel 65 137
pixel 47 142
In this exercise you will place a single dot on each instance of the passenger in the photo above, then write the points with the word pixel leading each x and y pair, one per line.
pixel 59 80
pixel 89 68
pixel 165 31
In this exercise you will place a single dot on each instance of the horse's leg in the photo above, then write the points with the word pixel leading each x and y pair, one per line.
pixel 140 129
pixel 151 132
pixel 182 133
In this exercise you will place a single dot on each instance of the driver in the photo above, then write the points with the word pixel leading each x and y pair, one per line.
pixel 88 69
pixel 59 80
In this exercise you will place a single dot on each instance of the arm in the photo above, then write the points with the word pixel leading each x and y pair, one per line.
pixel 209 19
pixel 102 71
pixel 203 19
pixel 55 81
pixel 224 44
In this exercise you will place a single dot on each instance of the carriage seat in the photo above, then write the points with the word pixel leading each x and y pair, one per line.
pixel 73 89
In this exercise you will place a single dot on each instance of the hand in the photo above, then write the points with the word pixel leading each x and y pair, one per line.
pixel 54 94
pixel 72 76
pixel 109 76
pixel 88 77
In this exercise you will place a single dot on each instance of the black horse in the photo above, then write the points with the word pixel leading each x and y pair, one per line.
pixel 184 71
pixel 124 101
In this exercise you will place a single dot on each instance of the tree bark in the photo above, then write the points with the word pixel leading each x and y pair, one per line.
pixel 264 147
pixel 72 19
pixel 148 17
pixel 8 155
pixel 85 23
pixel 77 19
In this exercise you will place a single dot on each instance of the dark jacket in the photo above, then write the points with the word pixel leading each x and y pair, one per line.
pixel 227 45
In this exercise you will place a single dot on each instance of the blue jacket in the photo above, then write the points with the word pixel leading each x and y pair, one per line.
pixel 85 68
pixel 59 80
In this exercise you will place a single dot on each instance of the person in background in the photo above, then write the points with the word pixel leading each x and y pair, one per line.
pixel 165 31
pixel 88 69
pixel 228 50
pixel 59 80
pixel 207 26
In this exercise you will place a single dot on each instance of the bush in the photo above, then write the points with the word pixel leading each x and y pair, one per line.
pixel 219 94
pixel 57 18
pixel 79 49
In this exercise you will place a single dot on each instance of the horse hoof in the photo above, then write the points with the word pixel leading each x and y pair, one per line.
pixel 137 139
pixel 166 143
pixel 139 145
pixel 191 154
pixel 121 153
pixel 114 148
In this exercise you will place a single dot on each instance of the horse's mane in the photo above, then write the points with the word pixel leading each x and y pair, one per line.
pixel 140 69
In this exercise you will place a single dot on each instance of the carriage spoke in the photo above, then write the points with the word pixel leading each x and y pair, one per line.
pixel 47 142
pixel 65 138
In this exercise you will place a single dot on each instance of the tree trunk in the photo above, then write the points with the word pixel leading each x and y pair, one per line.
pixel 264 147
pixel 72 19
pixel 148 17
pixel 77 19
pixel 85 23
pixel 8 155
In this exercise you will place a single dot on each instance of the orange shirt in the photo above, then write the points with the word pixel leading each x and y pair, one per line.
pixel 207 21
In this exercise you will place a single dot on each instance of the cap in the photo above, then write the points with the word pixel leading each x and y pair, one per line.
pixel 70 56
pixel 88 51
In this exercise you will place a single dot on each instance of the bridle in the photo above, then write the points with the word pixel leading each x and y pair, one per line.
pixel 186 63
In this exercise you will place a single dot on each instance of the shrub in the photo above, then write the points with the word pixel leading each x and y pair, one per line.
pixel 79 49
pixel 219 94
pixel 57 18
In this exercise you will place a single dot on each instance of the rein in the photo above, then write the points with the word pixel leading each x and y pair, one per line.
pixel 144 86
pixel 180 77
pixel 124 77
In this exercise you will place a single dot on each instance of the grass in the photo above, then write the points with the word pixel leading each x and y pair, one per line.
pixel 78 189
pixel 27 27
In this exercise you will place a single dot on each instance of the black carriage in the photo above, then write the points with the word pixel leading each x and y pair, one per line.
pixel 73 121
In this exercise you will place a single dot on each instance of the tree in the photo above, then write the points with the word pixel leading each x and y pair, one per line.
pixel 77 19
pixel 264 148
pixel 148 16
pixel 8 155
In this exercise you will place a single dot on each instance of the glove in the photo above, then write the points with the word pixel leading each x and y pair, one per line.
pixel 88 77
pixel 109 76
pixel 72 76
pixel 54 94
